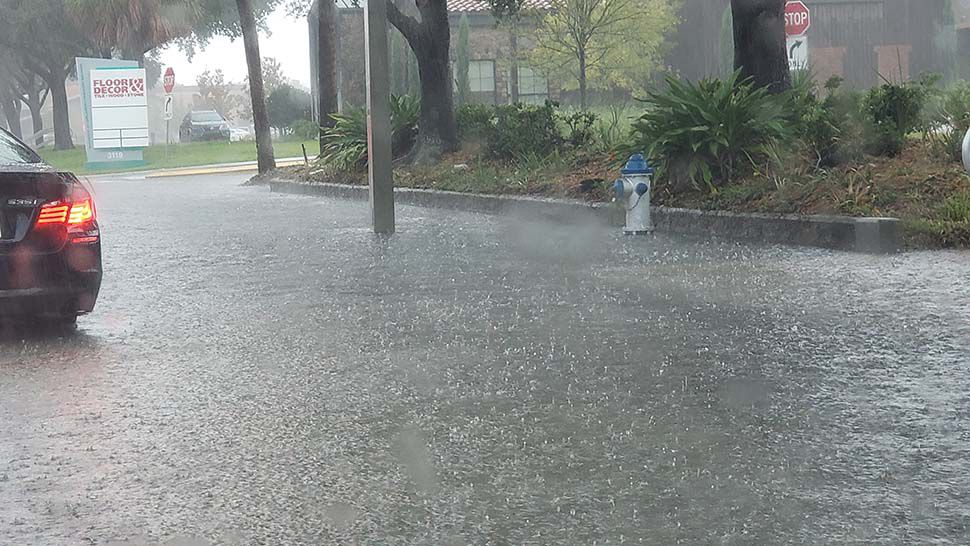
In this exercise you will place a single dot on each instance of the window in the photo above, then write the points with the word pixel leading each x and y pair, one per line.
pixel 13 152
pixel 533 87
pixel 481 76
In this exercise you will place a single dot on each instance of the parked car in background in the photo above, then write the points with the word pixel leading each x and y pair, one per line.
pixel 238 133
pixel 50 241
pixel 200 125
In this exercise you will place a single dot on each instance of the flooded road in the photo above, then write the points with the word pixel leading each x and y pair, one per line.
pixel 262 370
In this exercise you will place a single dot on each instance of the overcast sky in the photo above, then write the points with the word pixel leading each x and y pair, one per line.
pixel 287 41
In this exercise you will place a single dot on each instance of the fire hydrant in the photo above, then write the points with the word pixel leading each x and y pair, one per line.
pixel 633 191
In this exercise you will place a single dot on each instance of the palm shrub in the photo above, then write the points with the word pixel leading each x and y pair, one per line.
pixel 345 144
pixel 711 131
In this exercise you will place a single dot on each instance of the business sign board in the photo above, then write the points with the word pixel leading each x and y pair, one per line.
pixel 115 100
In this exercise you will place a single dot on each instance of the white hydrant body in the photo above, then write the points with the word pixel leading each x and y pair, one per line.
pixel 633 192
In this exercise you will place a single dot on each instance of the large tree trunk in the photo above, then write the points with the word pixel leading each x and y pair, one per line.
pixel 62 115
pixel 11 111
pixel 430 40
pixel 35 102
pixel 264 142
pixel 759 43
pixel 326 64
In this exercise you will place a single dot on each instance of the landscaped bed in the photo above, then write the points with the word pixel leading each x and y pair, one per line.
pixel 718 146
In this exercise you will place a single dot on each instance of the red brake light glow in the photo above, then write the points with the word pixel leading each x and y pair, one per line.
pixel 53 213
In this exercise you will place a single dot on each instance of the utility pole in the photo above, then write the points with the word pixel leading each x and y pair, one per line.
pixel 379 158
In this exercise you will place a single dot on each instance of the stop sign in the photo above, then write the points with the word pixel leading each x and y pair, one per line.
pixel 797 18
pixel 169 80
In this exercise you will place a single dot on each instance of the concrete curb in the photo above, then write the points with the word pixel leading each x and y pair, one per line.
pixel 868 235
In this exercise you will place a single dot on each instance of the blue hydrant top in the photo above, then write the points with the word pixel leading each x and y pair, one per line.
pixel 637 165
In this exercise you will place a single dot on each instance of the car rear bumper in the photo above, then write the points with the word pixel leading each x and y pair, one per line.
pixel 51 284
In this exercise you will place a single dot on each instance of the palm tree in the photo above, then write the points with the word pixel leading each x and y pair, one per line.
pixel 134 27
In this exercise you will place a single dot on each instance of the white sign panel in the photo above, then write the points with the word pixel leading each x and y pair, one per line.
pixel 169 111
pixel 797 52
pixel 119 108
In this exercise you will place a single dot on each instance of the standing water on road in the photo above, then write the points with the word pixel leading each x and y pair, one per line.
pixel 482 380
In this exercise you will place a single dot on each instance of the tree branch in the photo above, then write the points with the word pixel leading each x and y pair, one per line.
pixel 408 26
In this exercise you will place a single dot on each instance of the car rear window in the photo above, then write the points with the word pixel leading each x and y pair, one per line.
pixel 206 116
pixel 13 152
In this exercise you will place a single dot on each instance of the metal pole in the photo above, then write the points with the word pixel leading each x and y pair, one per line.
pixel 378 118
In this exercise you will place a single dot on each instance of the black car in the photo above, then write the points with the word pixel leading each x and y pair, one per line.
pixel 50 242
pixel 203 125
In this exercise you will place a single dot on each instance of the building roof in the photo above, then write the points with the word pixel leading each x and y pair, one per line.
pixel 480 6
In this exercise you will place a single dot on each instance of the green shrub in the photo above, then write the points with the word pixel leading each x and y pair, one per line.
pixel 948 119
pixel 611 131
pixel 892 111
pixel 711 131
pixel 580 125
pixel 521 129
pixel 815 121
pixel 345 144
pixel 473 120
pixel 305 129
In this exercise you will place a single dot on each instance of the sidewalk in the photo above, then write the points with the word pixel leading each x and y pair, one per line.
pixel 242 167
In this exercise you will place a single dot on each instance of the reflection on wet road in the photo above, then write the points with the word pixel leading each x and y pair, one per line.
pixel 263 370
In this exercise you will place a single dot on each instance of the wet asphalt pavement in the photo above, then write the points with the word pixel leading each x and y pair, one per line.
pixel 262 370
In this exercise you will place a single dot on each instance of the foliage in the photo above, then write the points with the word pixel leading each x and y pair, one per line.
pixel 814 120
pixel 603 43
pixel 463 92
pixel 580 127
pixel 473 120
pixel 304 129
pixel 522 129
pixel 134 27
pixel 710 131
pixel 216 94
pixel 287 104
pixel 948 119
pixel 345 144
pixel 892 111
pixel 611 130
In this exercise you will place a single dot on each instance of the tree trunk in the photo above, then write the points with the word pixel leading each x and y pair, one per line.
pixel 759 43
pixel 582 80
pixel 430 40
pixel 326 64
pixel 513 61
pixel 438 131
pixel 62 116
pixel 35 103
pixel 11 113
pixel 264 142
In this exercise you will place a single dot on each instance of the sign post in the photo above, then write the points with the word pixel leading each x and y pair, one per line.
pixel 379 157
pixel 114 96
pixel 798 19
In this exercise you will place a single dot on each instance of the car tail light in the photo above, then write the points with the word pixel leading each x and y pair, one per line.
pixel 77 214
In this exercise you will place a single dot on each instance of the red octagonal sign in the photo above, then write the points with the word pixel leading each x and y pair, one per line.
pixel 797 18
pixel 169 80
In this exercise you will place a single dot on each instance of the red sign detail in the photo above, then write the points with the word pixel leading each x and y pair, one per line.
pixel 169 80
pixel 798 18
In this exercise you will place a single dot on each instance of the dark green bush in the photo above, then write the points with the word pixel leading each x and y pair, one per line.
pixel 711 131
pixel 580 125
pixel 305 129
pixel 345 144
pixel 473 119
pixel 521 129
pixel 892 111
